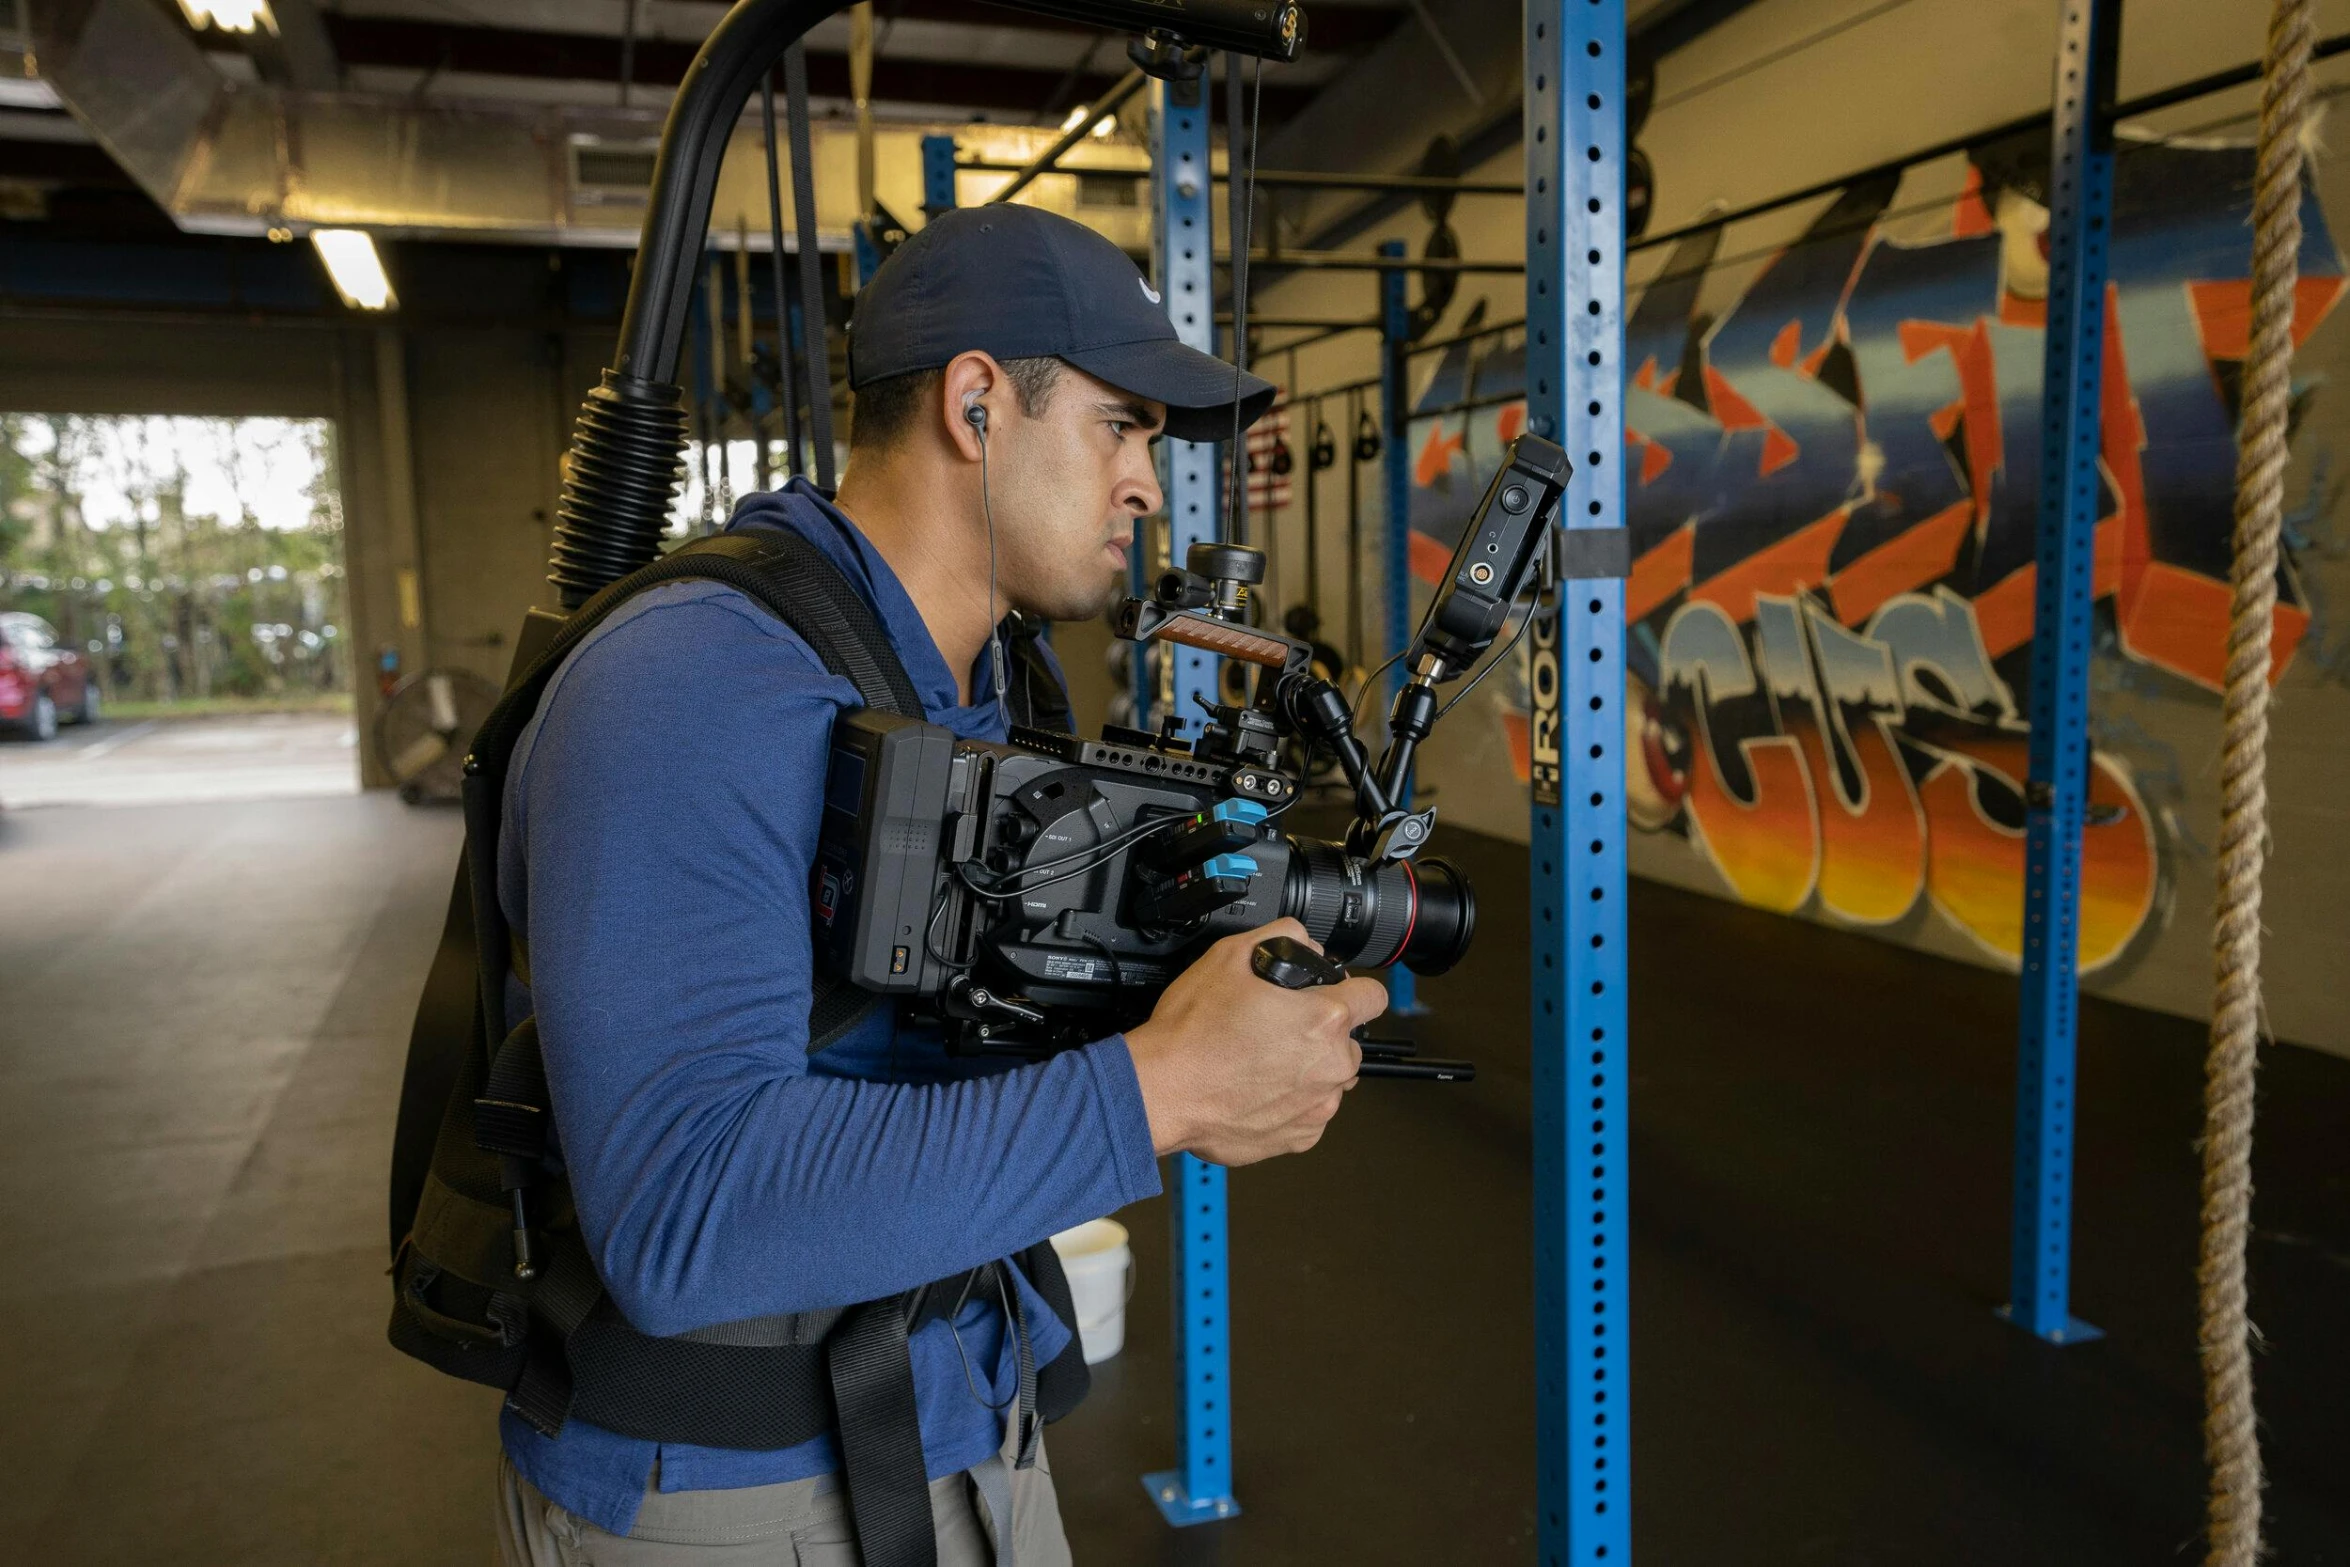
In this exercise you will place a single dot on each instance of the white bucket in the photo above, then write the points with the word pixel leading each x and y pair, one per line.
pixel 1100 1266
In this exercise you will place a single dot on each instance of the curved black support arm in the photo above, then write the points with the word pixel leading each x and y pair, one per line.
pixel 740 50
pixel 626 453
pixel 746 43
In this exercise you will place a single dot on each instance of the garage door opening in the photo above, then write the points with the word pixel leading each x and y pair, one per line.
pixel 173 611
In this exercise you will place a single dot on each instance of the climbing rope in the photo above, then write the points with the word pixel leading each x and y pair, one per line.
pixel 2231 1442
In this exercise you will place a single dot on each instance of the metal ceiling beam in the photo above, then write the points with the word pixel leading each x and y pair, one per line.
pixel 1291 179
pixel 301 48
pixel 1343 29
pixel 1107 104
pixel 1333 29
pixel 662 62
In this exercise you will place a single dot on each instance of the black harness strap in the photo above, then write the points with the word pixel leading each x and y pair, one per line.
pixel 510 1114
pixel 888 1482
pixel 1063 1381
pixel 448 1010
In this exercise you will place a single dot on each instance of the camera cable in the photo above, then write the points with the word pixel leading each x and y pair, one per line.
pixel 930 936
pixel 1117 977
pixel 1094 857
pixel 1091 858
pixel 1015 1322
pixel 1355 709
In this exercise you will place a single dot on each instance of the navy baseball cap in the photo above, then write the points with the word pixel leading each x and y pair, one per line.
pixel 1022 283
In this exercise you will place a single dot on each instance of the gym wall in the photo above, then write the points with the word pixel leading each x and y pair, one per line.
pixel 1833 450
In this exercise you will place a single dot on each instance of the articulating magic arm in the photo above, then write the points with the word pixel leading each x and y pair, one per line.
pixel 1504 548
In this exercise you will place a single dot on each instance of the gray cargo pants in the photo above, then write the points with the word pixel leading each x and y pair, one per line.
pixel 799 1523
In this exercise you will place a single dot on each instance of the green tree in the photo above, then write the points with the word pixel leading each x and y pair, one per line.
pixel 177 597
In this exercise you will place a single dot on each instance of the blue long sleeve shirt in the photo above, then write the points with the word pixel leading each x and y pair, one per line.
pixel 661 816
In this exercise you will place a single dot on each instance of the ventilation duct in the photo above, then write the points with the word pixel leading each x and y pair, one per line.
pixel 231 157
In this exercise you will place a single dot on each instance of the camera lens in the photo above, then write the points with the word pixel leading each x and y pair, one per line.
pixel 1447 917
pixel 1420 913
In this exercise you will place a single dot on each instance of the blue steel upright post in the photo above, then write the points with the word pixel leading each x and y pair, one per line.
pixel 1395 472
pixel 2080 210
pixel 1199 1488
pixel 1574 139
pixel 938 175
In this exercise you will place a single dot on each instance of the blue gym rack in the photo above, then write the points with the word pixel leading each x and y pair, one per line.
pixel 1199 1488
pixel 1575 246
pixel 2080 211
pixel 1574 141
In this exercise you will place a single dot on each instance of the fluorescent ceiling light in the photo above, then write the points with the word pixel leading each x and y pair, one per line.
pixel 1105 125
pixel 358 271
pixel 230 16
pixel 1077 117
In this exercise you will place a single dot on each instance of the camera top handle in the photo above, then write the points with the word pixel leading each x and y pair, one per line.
pixel 628 445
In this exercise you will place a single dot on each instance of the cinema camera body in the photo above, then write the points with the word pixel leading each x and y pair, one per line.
pixel 1035 895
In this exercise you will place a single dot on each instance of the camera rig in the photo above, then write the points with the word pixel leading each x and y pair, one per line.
pixel 1033 895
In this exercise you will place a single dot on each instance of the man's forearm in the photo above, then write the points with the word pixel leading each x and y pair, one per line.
pixel 724 1202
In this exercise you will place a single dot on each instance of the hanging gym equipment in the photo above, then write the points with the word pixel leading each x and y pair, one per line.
pixel 786 374
pixel 1322 454
pixel 814 323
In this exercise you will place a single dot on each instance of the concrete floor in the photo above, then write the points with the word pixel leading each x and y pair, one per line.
pixel 254 756
pixel 204 1012
pixel 202 1016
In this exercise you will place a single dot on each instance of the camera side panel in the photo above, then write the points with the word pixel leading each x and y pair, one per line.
pixel 879 860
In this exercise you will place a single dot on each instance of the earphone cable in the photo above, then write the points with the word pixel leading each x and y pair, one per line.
pixel 995 633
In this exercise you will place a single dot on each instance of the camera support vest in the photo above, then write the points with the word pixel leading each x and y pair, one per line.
pixel 492 1280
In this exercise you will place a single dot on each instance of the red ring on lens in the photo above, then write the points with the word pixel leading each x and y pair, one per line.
pixel 1405 945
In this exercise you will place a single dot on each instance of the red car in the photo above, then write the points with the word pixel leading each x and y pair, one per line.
pixel 41 679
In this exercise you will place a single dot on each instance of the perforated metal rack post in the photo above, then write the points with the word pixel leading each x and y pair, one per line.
pixel 1395 558
pixel 2080 209
pixel 1199 1488
pixel 938 175
pixel 1574 140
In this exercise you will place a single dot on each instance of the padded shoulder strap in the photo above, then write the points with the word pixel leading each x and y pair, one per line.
pixel 783 573
pixel 798 583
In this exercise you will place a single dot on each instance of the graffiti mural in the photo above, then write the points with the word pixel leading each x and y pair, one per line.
pixel 1833 489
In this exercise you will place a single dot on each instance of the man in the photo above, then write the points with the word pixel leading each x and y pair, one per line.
pixel 1010 369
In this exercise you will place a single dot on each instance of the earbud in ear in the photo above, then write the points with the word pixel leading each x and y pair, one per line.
pixel 975 415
